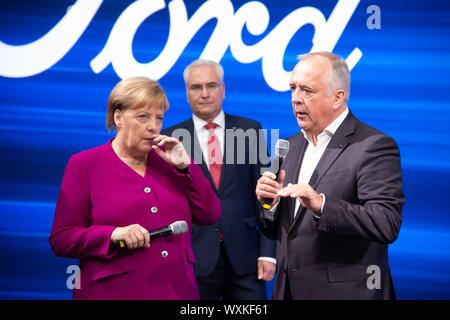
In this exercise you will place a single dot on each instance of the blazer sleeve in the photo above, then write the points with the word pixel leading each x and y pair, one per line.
pixel 72 235
pixel 377 217
pixel 205 206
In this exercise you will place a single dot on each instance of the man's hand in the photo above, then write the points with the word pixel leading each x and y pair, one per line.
pixel 266 270
pixel 308 197
pixel 268 187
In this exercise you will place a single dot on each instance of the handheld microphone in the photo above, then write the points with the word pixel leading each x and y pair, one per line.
pixel 281 150
pixel 178 227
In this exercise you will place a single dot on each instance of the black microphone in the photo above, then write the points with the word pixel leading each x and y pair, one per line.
pixel 281 150
pixel 178 227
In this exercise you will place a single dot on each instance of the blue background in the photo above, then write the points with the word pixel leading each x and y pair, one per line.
pixel 400 86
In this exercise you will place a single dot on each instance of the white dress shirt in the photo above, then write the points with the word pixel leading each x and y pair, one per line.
pixel 219 131
pixel 314 153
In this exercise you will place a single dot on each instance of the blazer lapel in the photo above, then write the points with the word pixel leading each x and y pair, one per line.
pixel 335 147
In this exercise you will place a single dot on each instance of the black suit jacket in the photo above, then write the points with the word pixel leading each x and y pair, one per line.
pixel 335 257
pixel 243 241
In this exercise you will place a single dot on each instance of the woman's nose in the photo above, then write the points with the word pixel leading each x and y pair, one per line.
pixel 151 125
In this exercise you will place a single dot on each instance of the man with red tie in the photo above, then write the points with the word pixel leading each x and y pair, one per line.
pixel 233 257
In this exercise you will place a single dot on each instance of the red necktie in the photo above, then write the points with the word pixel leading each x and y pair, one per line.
pixel 215 159
pixel 214 154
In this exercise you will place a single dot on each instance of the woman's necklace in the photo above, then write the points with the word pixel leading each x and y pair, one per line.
pixel 134 163
pixel 130 163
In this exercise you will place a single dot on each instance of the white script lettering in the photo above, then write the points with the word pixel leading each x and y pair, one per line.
pixel 36 57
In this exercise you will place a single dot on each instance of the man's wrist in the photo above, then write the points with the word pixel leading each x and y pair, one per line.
pixel 273 260
pixel 318 214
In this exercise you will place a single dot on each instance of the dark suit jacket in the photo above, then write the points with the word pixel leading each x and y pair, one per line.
pixel 243 241
pixel 360 175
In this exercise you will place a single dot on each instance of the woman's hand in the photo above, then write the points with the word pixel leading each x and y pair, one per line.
pixel 174 154
pixel 133 235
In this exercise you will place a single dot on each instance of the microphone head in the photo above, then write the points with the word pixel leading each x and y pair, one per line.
pixel 179 227
pixel 281 148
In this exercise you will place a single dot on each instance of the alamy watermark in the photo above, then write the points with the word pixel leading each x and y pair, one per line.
pixel 242 147
pixel 374 280
pixel 374 20
pixel 73 281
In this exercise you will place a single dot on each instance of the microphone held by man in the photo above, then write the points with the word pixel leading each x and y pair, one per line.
pixel 281 150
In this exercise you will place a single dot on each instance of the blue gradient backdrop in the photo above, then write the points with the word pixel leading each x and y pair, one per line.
pixel 400 86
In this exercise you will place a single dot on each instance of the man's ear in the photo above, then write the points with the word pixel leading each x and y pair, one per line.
pixel 118 118
pixel 338 98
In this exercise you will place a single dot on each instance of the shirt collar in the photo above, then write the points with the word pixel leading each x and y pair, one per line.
pixel 332 127
pixel 200 123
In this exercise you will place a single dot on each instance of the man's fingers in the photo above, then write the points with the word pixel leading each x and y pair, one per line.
pixel 285 192
pixel 292 190
pixel 269 175
pixel 266 191
pixel 268 195
pixel 266 270
pixel 268 188
pixel 268 181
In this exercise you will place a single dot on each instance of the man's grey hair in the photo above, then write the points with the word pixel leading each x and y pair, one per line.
pixel 200 63
pixel 339 72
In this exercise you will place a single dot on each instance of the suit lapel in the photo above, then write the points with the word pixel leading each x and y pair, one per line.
pixel 337 144
pixel 225 172
pixel 335 147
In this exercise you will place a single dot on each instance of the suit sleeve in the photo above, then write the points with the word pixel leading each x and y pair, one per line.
pixel 205 205
pixel 268 228
pixel 72 235
pixel 377 215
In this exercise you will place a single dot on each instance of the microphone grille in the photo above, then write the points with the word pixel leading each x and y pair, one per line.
pixel 179 227
pixel 281 148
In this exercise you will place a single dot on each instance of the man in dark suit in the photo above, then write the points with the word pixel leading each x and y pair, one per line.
pixel 338 202
pixel 233 257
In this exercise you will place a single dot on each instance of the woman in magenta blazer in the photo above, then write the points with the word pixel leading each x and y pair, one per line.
pixel 136 182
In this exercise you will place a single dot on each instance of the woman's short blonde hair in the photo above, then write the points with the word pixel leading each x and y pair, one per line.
pixel 135 93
